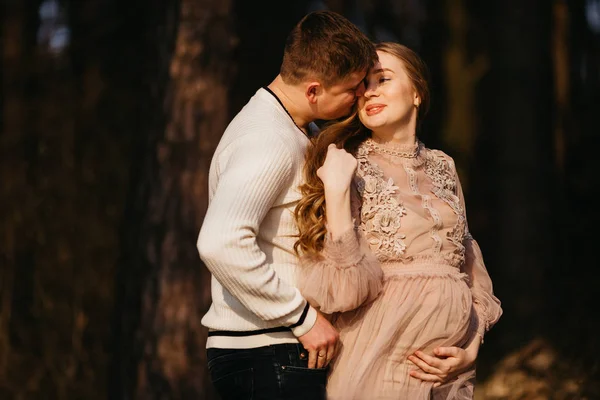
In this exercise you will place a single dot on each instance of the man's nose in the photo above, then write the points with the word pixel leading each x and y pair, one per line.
pixel 360 91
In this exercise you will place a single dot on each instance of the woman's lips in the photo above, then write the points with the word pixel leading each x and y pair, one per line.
pixel 373 109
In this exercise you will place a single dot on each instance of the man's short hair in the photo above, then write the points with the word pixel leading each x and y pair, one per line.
pixel 326 47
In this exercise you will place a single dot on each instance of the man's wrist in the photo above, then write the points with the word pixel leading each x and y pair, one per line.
pixel 307 324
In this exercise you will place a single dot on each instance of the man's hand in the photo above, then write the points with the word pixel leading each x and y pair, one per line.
pixel 446 363
pixel 320 342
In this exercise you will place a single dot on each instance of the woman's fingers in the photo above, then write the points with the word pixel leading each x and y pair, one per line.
pixel 446 364
pixel 425 376
pixel 447 351
pixel 338 168
pixel 431 360
pixel 426 367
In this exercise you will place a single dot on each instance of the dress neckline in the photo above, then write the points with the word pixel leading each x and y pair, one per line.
pixel 397 150
pixel 412 155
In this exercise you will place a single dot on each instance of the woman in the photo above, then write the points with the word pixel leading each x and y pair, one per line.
pixel 376 197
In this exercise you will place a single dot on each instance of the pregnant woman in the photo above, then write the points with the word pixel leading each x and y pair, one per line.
pixel 376 198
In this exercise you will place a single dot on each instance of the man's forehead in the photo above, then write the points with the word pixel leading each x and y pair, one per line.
pixel 377 67
pixel 354 78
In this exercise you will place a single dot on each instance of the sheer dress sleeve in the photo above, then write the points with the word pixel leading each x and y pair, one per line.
pixel 486 306
pixel 344 275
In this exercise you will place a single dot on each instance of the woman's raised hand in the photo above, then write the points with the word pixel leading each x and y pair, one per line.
pixel 338 169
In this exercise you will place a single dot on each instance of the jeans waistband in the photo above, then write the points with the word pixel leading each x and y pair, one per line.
pixel 284 354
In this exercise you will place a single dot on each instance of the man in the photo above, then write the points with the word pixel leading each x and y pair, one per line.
pixel 265 340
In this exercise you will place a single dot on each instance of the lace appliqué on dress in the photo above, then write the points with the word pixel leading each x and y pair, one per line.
pixel 381 212
pixel 443 176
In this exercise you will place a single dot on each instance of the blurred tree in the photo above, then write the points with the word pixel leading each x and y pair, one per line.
pixel 63 148
pixel 176 290
pixel 162 287
pixel 262 28
pixel 18 26
pixel 140 68
pixel 464 68
pixel 513 208
pixel 107 101
pixel 574 285
pixel 161 353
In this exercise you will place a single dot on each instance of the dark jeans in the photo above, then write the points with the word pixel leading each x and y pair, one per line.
pixel 278 372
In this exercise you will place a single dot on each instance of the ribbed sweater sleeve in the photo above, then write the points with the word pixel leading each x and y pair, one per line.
pixel 259 168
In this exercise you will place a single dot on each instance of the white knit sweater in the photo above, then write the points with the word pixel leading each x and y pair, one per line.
pixel 247 237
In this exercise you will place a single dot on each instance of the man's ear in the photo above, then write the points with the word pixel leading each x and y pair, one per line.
pixel 313 91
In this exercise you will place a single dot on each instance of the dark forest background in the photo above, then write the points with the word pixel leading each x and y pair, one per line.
pixel 110 111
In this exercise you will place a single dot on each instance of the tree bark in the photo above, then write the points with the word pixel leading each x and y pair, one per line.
pixel 163 280
pixel 147 51
pixel 512 206
pixel 262 28
pixel 18 24
pixel 574 284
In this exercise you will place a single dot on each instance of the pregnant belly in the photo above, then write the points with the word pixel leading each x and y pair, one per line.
pixel 418 309
pixel 429 310
pixel 415 311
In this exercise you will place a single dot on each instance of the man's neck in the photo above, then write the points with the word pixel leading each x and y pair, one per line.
pixel 293 99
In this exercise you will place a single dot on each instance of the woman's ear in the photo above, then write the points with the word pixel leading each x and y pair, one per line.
pixel 417 100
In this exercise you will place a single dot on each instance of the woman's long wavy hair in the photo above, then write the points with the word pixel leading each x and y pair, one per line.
pixel 347 134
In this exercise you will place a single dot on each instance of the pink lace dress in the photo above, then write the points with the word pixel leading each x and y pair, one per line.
pixel 410 277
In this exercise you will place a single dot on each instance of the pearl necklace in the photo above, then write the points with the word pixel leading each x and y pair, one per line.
pixel 413 151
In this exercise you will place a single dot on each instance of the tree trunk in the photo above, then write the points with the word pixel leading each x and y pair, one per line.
pixel 162 277
pixel 575 283
pixel 18 153
pixel 463 71
pixel 262 28
pixel 512 205
pixel 147 52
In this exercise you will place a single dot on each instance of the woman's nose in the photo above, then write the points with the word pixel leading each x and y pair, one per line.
pixel 370 91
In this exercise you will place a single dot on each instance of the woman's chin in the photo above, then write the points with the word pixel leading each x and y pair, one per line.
pixel 373 124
